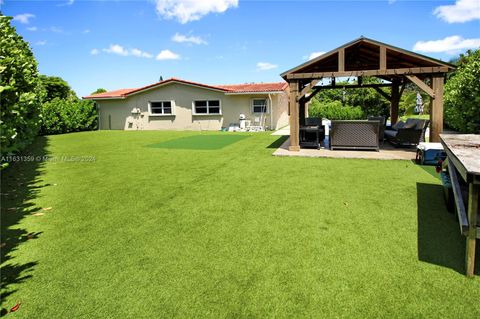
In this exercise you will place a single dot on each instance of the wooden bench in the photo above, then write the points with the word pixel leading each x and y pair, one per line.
pixel 463 153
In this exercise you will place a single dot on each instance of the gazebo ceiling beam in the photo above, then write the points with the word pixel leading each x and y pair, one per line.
pixel 383 93
pixel 341 60
pixel 422 85
pixel 353 86
pixel 317 89
pixel 307 88
pixel 401 71
pixel 383 57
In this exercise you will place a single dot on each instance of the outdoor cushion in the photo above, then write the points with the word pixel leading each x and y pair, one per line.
pixel 420 124
pixel 399 124
pixel 410 125
pixel 390 133
pixel 415 123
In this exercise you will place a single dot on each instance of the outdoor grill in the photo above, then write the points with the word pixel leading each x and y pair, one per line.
pixel 312 133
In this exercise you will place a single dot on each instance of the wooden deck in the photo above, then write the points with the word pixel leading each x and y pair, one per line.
pixel 387 152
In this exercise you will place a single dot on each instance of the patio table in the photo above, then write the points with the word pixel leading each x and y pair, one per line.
pixel 463 152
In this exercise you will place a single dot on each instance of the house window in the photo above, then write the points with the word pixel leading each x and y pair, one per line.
pixel 206 107
pixel 259 106
pixel 159 108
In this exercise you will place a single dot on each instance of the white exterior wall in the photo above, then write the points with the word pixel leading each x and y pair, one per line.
pixel 116 114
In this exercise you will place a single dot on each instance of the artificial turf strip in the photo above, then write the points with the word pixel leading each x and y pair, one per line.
pixel 201 142
pixel 154 233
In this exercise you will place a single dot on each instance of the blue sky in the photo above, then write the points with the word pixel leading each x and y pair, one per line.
pixel 124 44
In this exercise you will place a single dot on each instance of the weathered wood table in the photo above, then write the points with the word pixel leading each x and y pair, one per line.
pixel 463 153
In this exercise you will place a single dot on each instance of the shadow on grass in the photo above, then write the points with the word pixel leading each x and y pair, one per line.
pixel 430 169
pixel 20 184
pixel 278 142
pixel 439 239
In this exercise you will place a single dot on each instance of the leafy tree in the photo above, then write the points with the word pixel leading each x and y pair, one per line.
pixel 56 87
pixel 408 100
pixel 98 91
pixel 20 90
pixel 462 95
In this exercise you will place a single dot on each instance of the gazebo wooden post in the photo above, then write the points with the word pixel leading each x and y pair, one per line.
pixel 436 108
pixel 394 102
pixel 294 117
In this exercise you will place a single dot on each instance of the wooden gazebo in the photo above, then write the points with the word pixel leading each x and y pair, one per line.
pixel 367 57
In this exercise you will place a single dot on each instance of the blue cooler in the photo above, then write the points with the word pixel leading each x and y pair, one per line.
pixel 430 153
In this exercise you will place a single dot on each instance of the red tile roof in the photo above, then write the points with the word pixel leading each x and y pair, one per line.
pixel 255 87
pixel 110 94
pixel 234 88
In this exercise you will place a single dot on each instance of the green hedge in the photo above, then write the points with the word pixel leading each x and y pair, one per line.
pixel 335 111
pixel 63 116
pixel 462 95
pixel 21 92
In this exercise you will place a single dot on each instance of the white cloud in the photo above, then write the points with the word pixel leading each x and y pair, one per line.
pixel 461 11
pixel 94 51
pixel 32 28
pixel 180 38
pixel 86 31
pixel 43 42
pixel 263 66
pixel 185 11
pixel 451 45
pixel 167 55
pixel 24 18
pixel 116 49
pixel 120 50
pixel 56 29
pixel 313 55
pixel 140 53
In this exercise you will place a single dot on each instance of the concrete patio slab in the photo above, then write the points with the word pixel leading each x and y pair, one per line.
pixel 284 131
pixel 387 152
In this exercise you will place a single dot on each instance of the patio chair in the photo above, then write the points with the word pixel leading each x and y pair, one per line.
pixel 409 133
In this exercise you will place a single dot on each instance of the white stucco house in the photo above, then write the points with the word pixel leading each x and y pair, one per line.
pixel 176 104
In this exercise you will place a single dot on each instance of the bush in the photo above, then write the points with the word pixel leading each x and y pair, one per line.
pixel 370 102
pixel 63 116
pixel 20 90
pixel 367 99
pixel 462 95
pixel 334 111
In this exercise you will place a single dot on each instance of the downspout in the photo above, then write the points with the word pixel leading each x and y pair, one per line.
pixel 97 108
pixel 271 110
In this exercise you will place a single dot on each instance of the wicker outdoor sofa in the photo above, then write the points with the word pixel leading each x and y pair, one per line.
pixel 356 135
pixel 410 133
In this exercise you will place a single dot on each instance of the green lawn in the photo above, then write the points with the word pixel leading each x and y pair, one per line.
pixel 157 227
